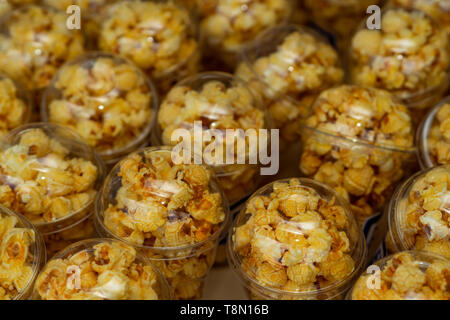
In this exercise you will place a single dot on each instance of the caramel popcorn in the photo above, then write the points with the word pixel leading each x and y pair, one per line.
pixel 159 37
pixel 407 275
pixel 100 269
pixel 420 216
pixel 173 212
pixel 35 42
pixel 289 75
pixel 358 141
pixel 14 106
pixel 220 102
pixel 106 100
pixel 294 238
pixel 407 57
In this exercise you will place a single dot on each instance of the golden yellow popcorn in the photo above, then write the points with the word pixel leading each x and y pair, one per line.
pixel 158 36
pixel 408 275
pixel 407 57
pixel 22 253
pixel 419 213
pixel 100 269
pixel 296 239
pixel 106 100
pixel 36 42
pixel 359 141
pixel 175 213
pixel 288 66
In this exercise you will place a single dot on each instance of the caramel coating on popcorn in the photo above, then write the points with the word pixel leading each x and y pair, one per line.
pixel 107 271
pixel 13 108
pixel 294 240
pixel 363 173
pixel 42 181
pixel 406 277
pixel 407 57
pixel 36 43
pixel 16 258
pixel 106 100
pixel 438 141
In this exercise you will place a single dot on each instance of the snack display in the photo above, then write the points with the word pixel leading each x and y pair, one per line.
pixel 158 36
pixel 48 175
pixel 107 100
pixel 359 141
pixel 22 253
pixel 173 213
pixel 217 102
pixel 288 66
pixel 408 275
pixel 419 213
pixel 100 269
pixel 296 239
pixel 228 25
pixel 34 43
pixel 407 57
pixel 434 136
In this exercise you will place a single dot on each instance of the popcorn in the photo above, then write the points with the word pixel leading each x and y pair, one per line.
pixel 408 275
pixel 174 213
pixel 100 269
pixel 106 100
pixel 14 106
pixel 419 213
pixel 36 43
pixel 407 57
pixel 293 238
pixel 358 141
pixel 159 37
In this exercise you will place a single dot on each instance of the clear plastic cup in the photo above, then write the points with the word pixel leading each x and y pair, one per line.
pixel 359 141
pixel 296 239
pixel 51 177
pixel 159 36
pixel 408 275
pixel 211 103
pixel 22 255
pixel 407 57
pixel 109 102
pixel 173 213
pixel 433 136
pixel 100 269
pixel 418 213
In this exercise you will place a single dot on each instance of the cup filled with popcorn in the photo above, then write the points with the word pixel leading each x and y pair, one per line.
pixel 51 177
pixel 419 213
pixel 230 25
pixel 296 239
pixel 22 254
pixel 219 113
pixel 433 136
pixel 100 269
pixel 408 57
pixel 174 213
pixel 407 275
pixel 159 36
pixel 360 142
pixel 109 102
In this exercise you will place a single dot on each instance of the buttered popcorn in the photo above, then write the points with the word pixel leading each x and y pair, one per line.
pixel 14 106
pixel 35 43
pixel 358 141
pixel 407 275
pixel 295 239
pixel 100 270
pixel 290 76
pixel 106 100
pixel 407 57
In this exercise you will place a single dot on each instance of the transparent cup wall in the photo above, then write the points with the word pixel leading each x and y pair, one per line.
pixel 296 239
pixel 22 255
pixel 174 214
pixel 51 177
pixel 108 101
pixel 100 269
